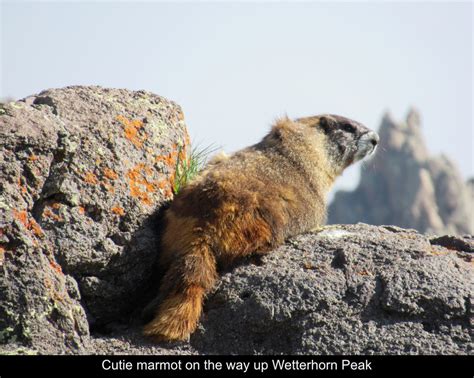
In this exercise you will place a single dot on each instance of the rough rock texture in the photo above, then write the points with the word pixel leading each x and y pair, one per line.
pixel 347 289
pixel 82 171
pixel 405 186
pixel 354 289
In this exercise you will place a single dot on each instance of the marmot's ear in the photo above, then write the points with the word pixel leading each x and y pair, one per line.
pixel 281 127
pixel 275 134
pixel 325 123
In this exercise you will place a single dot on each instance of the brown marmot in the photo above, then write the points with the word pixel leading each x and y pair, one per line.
pixel 249 203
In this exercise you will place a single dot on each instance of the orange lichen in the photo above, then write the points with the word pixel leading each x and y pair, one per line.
pixel 2 254
pixel 49 214
pixel 134 173
pixel 178 154
pixel 139 183
pixel 22 216
pixel 56 267
pixel 110 174
pixel 131 130
pixel 29 223
pixel 81 210
pixel 90 178
pixel 168 193
pixel 183 156
pixel 118 210
pixel 35 227
pixel 162 184
pixel 32 157
pixel 172 180
pixel 169 159
pixel 150 187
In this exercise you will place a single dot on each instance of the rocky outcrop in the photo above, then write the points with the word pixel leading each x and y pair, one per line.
pixel 405 186
pixel 83 170
pixel 354 289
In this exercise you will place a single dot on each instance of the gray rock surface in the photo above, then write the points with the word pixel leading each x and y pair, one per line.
pixel 82 171
pixel 347 289
pixel 352 289
pixel 405 186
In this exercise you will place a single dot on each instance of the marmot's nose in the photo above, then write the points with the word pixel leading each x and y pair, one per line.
pixel 373 137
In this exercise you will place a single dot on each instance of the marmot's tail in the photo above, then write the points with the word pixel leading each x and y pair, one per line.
pixel 188 279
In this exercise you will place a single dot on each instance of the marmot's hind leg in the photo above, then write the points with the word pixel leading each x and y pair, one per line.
pixel 184 286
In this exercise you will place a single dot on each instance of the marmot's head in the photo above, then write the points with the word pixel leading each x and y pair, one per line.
pixel 347 141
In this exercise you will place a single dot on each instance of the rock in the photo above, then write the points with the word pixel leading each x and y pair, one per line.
pixel 354 289
pixel 82 172
pixel 405 186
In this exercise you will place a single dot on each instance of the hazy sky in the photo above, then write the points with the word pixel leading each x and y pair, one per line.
pixel 234 67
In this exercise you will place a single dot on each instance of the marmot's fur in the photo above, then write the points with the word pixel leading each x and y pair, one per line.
pixel 249 203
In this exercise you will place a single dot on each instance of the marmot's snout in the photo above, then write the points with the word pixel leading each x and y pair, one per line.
pixel 366 145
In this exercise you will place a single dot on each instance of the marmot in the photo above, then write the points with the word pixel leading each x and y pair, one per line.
pixel 249 203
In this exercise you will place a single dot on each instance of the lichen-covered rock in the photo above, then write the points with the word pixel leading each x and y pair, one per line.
pixel 82 171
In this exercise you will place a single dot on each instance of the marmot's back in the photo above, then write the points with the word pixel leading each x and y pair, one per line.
pixel 250 203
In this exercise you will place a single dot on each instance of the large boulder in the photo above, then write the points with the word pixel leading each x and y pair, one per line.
pixel 82 172
pixel 406 186
pixel 351 289
pixel 346 289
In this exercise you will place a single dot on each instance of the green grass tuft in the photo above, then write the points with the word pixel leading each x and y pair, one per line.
pixel 186 170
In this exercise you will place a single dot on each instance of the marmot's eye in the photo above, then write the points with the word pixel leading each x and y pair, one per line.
pixel 348 127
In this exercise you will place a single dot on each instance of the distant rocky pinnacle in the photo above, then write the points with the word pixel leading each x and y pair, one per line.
pixel 403 185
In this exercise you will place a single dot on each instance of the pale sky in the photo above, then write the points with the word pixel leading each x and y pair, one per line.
pixel 235 67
